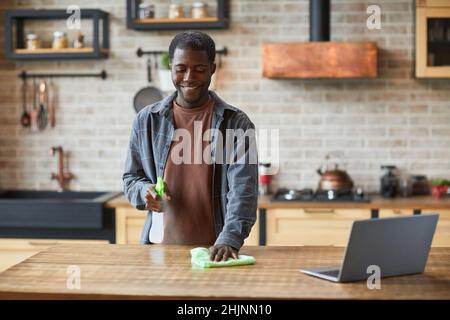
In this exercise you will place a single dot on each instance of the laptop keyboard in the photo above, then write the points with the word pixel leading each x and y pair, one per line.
pixel 331 273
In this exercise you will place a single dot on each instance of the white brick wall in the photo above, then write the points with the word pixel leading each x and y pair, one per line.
pixel 362 123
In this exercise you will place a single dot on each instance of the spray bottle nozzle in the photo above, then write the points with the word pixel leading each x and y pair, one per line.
pixel 159 187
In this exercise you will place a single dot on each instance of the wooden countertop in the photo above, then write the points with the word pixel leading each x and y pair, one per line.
pixel 165 272
pixel 377 202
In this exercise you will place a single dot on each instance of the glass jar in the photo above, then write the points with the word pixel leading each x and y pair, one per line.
pixel 33 41
pixel 59 40
pixel 146 11
pixel 199 10
pixel 176 11
pixel 78 42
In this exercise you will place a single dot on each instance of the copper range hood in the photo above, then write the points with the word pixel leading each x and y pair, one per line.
pixel 320 58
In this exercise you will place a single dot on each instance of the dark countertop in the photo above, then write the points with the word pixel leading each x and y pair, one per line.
pixel 377 202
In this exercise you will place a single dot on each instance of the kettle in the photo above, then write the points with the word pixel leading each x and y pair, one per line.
pixel 334 180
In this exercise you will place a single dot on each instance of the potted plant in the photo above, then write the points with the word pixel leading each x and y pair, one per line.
pixel 439 187
pixel 165 76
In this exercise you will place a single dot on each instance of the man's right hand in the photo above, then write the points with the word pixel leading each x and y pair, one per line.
pixel 153 201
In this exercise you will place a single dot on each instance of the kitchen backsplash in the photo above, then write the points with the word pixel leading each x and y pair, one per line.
pixel 394 119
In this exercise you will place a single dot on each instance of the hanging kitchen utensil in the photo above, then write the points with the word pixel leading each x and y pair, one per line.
pixel 42 114
pixel 34 112
pixel 147 95
pixel 25 119
pixel 52 103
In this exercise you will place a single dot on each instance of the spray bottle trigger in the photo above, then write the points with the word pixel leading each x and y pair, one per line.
pixel 159 188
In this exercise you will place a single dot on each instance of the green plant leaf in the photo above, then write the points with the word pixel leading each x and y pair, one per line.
pixel 440 182
pixel 164 61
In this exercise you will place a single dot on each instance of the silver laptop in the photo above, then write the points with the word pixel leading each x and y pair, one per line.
pixel 397 245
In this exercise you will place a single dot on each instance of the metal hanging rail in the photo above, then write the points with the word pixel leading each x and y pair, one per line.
pixel 141 52
pixel 24 75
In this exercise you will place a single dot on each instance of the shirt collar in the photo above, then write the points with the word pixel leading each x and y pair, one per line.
pixel 163 108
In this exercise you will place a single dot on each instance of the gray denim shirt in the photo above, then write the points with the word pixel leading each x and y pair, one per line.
pixel 234 187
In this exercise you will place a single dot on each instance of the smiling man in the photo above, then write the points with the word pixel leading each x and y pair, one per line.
pixel 210 199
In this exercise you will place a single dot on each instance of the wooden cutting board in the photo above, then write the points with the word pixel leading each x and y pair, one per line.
pixel 165 272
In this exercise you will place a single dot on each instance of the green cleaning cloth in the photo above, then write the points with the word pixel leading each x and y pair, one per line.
pixel 200 259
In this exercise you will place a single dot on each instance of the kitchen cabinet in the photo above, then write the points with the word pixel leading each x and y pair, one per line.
pixel 130 221
pixel 304 223
pixel 441 236
pixel 129 224
pixel 13 251
pixel 15 35
pixel 253 237
pixel 219 21
pixel 433 39
pixel 331 226
pixel 311 227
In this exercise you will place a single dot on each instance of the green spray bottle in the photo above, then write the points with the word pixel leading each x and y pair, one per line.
pixel 159 187
pixel 157 230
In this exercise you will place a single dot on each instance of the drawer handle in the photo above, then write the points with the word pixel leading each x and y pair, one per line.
pixel 319 211
pixel 43 243
pixel 397 212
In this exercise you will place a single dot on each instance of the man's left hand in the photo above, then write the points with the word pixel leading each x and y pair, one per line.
pixel 222 252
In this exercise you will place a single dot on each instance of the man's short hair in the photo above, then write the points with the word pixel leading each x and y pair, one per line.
pixel 195 40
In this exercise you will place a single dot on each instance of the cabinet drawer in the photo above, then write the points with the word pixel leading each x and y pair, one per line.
pixel 40 244
pixel 314 227
pixel 253 237
pixel 134 228
pixel 129 225
pixel 383 213
pixel 130 222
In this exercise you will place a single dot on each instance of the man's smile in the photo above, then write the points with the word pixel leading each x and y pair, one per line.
pixel 189 89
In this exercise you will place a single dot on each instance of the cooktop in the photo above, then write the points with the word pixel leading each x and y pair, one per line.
pixel 284 194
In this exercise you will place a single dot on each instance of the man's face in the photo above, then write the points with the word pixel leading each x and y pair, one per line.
pixel 191 75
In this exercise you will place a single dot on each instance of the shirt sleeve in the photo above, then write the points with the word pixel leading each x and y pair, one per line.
pixel 135 183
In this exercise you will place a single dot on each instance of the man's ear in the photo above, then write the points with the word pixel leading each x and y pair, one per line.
pixel 213 68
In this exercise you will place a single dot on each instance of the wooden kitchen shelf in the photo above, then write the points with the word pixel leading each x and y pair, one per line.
pixel 15 35
pixel 178 20
pixel 219 21
pixel 50 50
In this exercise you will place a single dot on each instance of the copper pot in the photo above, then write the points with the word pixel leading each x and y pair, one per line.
pixel 334 180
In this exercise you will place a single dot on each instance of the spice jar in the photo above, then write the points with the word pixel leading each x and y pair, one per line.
pixel 79 41
pixel 59 40
pixel 199 10
pixel 146 11
pixel 175 11
pixel 33 41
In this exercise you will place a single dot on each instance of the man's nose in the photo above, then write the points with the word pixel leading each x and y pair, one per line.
pixel 188 75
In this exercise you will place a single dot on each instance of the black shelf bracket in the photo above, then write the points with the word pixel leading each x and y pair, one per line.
pixel 140 52
pixel 25 75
